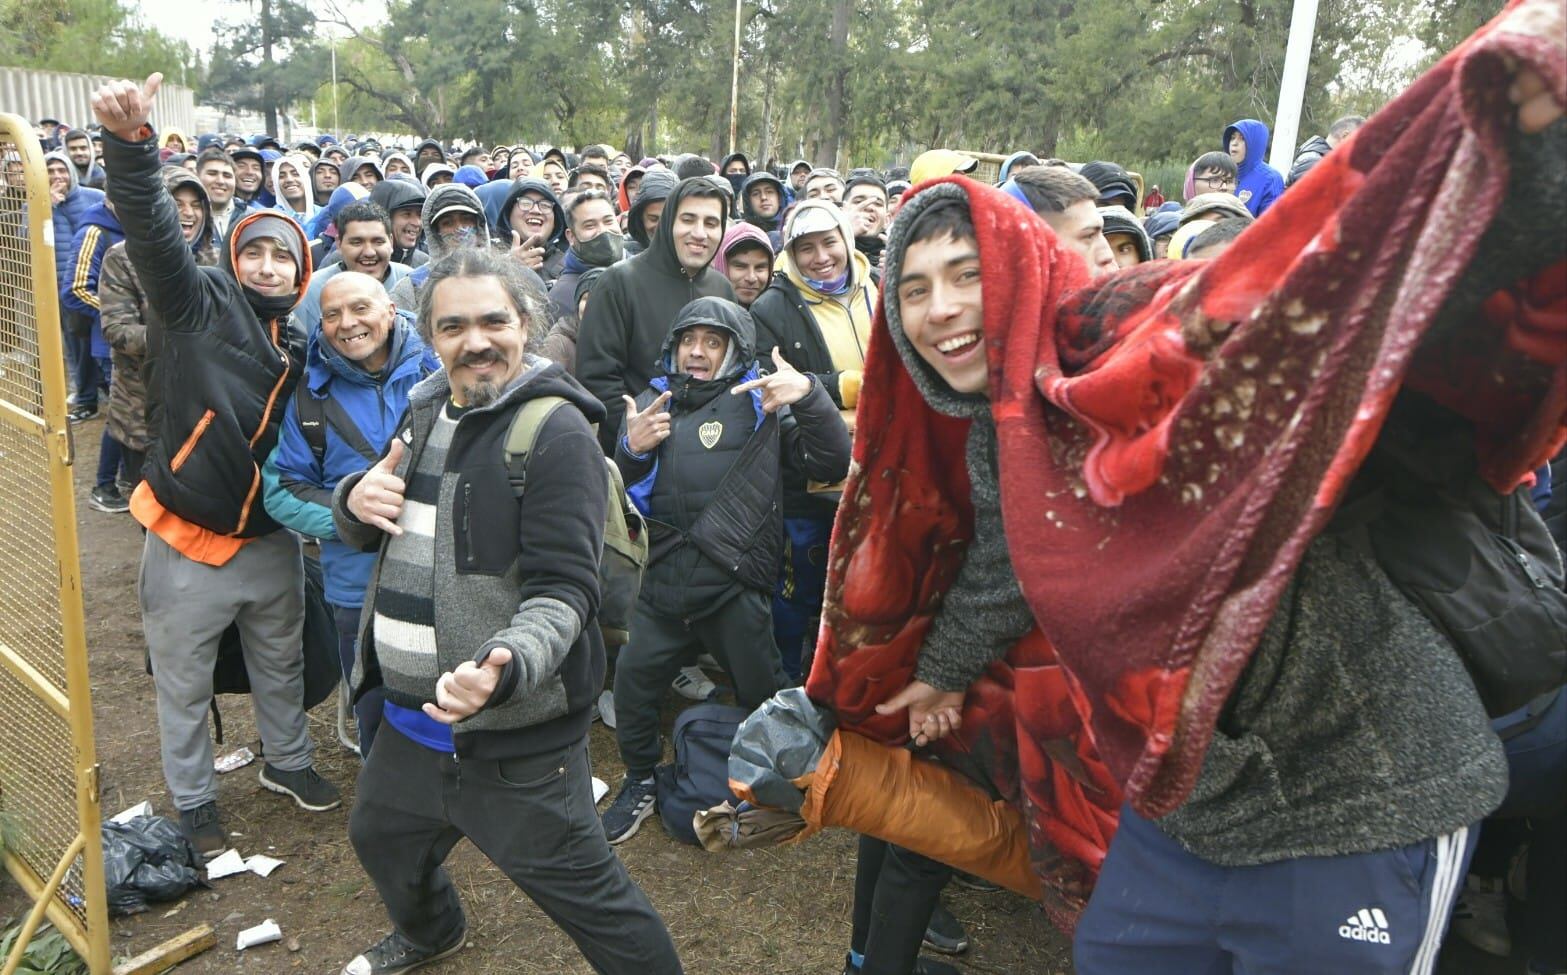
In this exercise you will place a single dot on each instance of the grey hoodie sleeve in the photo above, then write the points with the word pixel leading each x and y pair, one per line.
pixel 984 612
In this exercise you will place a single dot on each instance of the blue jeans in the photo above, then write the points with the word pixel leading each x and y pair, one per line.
pixel 1159 910
pixel 367 710
pixel 797 600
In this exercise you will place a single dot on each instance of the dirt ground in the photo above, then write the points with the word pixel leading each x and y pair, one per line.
pixel 763 912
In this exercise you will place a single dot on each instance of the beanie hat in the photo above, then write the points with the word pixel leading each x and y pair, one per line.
pixel 269 227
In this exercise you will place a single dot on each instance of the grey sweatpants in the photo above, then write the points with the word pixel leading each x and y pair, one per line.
pixel 185 607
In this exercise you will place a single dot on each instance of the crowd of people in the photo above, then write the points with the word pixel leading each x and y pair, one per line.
pixel 442 364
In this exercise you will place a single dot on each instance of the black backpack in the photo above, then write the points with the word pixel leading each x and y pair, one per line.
pixel 699 777
pixel 1481 565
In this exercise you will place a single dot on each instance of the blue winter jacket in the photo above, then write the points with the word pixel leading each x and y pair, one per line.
pixel 1258 184
pixel 98 231
pixel 68 216
pixel 298 490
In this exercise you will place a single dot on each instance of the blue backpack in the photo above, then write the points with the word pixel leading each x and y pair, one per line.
pixel 699 777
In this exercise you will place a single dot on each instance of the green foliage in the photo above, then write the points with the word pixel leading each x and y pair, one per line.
pixel 47 954
pixel 266 60
pixel 91 36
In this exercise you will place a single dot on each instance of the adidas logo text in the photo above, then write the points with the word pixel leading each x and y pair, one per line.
pixel 1366 925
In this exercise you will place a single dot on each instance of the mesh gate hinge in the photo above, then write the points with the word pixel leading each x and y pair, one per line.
pixel 64 446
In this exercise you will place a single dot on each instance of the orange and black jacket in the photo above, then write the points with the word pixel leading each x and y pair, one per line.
pixel 218 374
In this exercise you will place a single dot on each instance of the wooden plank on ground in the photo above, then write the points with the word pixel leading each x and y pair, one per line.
pixel 170 953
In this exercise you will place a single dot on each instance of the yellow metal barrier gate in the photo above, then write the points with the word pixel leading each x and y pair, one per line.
pixel 49 817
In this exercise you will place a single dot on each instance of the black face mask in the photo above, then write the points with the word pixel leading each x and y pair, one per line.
pixel 737 180
pixel 602 251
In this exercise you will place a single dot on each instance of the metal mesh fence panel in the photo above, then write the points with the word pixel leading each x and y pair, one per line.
pixel 49 818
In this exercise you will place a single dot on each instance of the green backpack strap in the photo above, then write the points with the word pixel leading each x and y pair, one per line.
pixel 625 549
pixel 523 434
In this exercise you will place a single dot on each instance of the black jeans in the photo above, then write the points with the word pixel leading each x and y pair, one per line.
pixel 533 817
pixel 895 893
pixel 739 635
pixel 367 710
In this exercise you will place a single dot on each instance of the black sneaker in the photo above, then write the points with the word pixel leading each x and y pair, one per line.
pixel 394 955
pixel 309 790
pixel 945 933
pixel 109 499
pixel 636 801
pixel 206 834
pixel 80 413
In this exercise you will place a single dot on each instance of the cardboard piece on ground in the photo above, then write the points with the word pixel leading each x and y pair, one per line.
pixel 170 953
pixel 226 865
pixel 261 934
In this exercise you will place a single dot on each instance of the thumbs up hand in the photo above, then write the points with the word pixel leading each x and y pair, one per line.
pixel 461 693
pixel 378 497
pixel 784 387
pixel 124 107
pixel 646 429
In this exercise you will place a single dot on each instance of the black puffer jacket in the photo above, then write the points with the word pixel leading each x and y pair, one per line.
pixel 713 490
pixel 222 372
pixel 621 337
pixel 1311 153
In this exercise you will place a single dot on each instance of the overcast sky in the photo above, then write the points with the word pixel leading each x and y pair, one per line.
pixel 192 22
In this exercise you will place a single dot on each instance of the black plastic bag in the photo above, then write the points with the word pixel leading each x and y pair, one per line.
pixel 147 859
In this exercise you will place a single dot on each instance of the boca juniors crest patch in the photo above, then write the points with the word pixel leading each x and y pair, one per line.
pixel 709 433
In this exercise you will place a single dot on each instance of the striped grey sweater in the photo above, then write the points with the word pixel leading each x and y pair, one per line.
pixel 405 598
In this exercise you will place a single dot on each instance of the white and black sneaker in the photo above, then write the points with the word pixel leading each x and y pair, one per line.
pixel 308 790
pixel 394 956
pixel 693 685
pixel 636 801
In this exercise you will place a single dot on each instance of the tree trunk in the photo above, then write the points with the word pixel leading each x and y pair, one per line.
pixel 837 85
pixel 766 149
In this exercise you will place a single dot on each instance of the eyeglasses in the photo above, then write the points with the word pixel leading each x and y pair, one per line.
pixel 528 206
pixel 1217 182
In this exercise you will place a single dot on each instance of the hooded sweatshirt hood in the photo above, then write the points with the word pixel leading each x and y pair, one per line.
pixel 662 250
pixel 1120 220
pixel 1016 161
pixel 859 265
pixel 70 171
pixel 397 194
pixel 92 159
pixel 406 162
pixel 471 176
pixel 323 223
pixel 1256 135
pixel 1257 184
pixel 738 358
pixel 433 170
pixel 427 144
pixel 300 163
pixel 657 185
pixel 445 196
pixel 503 226
pixel 738 234
pixel 1070 271
pixel 750 215
pixel 350 166
pixel 269 307
pixel 621 194
pixel 205 246
pixel 736 181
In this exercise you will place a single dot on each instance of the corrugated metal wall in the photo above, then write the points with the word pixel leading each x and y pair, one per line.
pixel 68 97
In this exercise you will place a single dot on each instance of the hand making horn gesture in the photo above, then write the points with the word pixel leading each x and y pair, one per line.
pixel 784 387
pixel 378 497
pixel 124 107
pixel 647 429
